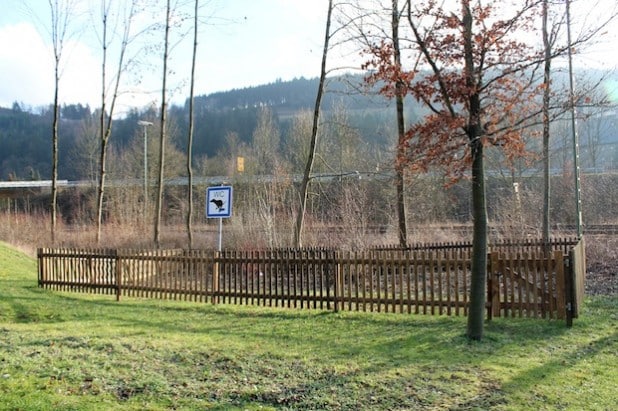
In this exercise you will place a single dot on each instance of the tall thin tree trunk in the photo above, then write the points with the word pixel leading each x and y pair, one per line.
pixel 157 228
pixel 102 170
pixel 54 176
pixel 314 135
pixel 191 126
pixel 399 172
pixel 106 119
pixel 60 18
pixel 546 130
pixel 102 175
pixel 573 110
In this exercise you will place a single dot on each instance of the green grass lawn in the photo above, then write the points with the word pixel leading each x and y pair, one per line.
pixel 64 351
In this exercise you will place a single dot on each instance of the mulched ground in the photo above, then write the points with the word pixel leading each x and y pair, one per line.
pixel 602 280
pixel 602 265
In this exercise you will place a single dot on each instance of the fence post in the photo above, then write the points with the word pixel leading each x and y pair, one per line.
pixel 337 265
pixel 39 257
pixel 215 278
pixel 118 275
pixel 569 277
pixel 578 267
pixel 493 286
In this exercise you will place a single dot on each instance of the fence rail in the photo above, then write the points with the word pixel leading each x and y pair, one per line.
pixel 523 279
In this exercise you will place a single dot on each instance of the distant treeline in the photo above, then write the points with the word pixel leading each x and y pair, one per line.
pixel 25 134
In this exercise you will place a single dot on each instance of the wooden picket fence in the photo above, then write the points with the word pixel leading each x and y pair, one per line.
pixel 524 280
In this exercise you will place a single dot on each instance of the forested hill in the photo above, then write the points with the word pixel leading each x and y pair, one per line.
pixel 295 94
pixel 25 134
pixel 298 94
pixel 225 126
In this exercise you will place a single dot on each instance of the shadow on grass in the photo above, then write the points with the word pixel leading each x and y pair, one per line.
pixel 81 307
pixel 385 333
pixel 304 358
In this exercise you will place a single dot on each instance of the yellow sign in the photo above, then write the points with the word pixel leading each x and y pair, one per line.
pixel 240 164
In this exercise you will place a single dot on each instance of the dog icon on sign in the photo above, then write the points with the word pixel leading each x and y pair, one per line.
pixel 219 204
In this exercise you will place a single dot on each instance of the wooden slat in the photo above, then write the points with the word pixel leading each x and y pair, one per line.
pixel 438 263
pixel 457 258
pixel 354 287
pixel 416 282
pixel 314 281
pixel 549 286
pixel 432 286
pixel 512 285
pixel 403 267
pixel 288 263
pixel 449 273
pixel 424 281
pixel 528 284
pixel 560 289
pixel 521 284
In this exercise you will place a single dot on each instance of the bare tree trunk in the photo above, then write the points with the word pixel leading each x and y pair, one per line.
pixel 191 126
pixel 157 228
pixel 102 170
pixel 399 93
pixel 60 18
pixel 54 176
pixel 546 129
pixel 314 135
pixel 106 126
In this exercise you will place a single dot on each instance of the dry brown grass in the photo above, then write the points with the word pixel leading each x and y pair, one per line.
pixel 29 232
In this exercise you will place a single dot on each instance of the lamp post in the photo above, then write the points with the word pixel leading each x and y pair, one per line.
pixel 145 124
pixel 578 201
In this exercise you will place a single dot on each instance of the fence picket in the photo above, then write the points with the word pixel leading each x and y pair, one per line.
pixel 560 289
pixel 526 273
pixel 549 285
pixel 440 263
pixel 520 285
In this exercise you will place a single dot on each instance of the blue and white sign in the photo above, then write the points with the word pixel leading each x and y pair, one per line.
pixel 219 202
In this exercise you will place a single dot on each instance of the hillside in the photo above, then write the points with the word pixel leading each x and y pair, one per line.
pixel 25 134
pixel 298 94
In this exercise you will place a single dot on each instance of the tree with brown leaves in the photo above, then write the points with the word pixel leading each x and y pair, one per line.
pixel 473 71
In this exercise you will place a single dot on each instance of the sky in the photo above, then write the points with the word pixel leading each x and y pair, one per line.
pixel 242 43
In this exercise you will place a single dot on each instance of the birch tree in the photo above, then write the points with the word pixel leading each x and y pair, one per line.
pixel 106 116
pixel 191 127
pixel 61 13
pixel 163 121
pixel 304 186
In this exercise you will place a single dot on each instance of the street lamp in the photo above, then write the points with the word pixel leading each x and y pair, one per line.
pixel 145 124
pixel 578 201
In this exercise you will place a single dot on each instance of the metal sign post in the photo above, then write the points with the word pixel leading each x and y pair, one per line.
pixel 219 205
